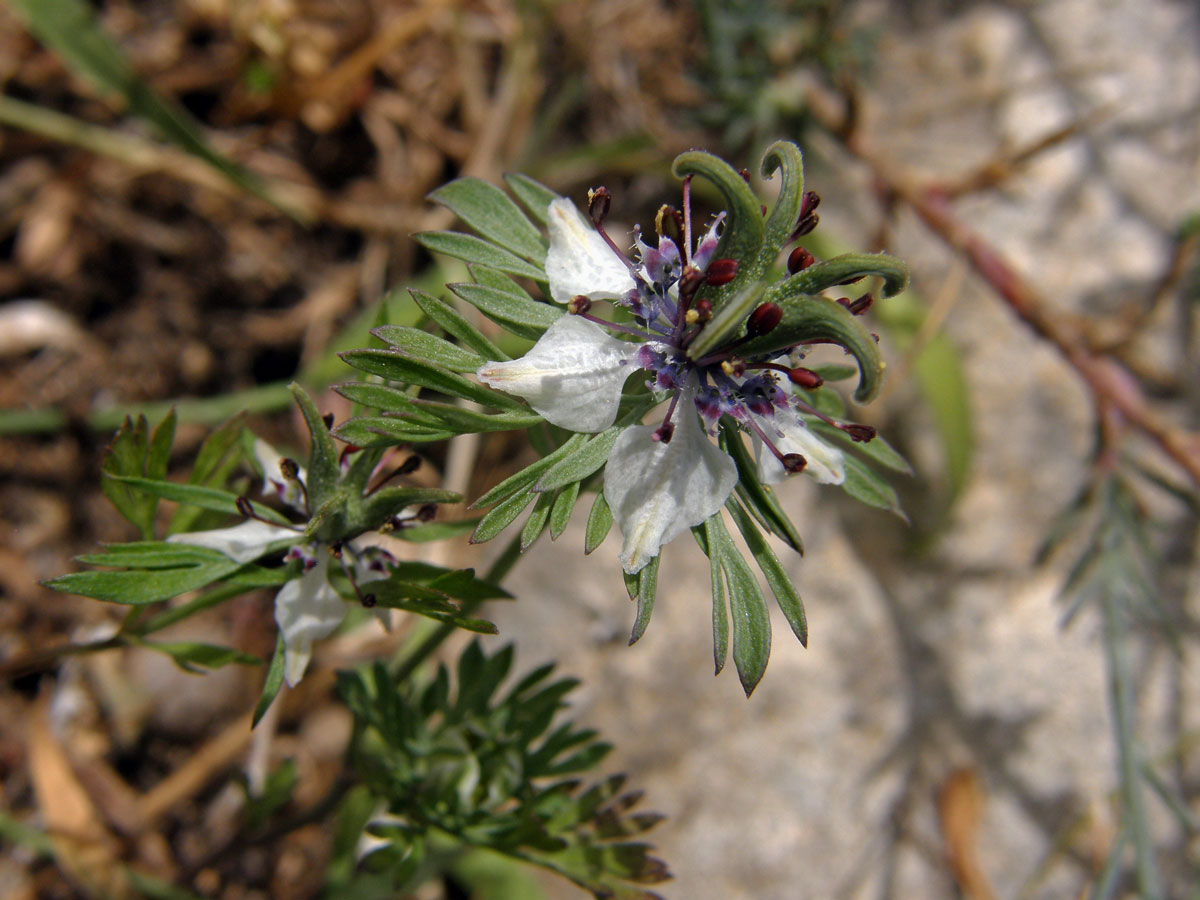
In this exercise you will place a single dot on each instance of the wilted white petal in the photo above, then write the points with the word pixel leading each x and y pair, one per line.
pixel 306 610
pixel 657 491
pixel 242 543
pixel 789 433
pixel 572 376
pixel 579 261
pixel 268 459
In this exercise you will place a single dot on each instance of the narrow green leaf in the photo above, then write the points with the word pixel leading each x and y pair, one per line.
pixel 539 517
pixel 760 499
pixel 600 520
pixel 501 516
pixel 564 505
pixel 324 470
pixel 395 366
pixel 522 316
pixel 452 322
pixel 433 349
pixel 529 474
pixel 138 586
pixel 748 608
pixel 580 464
pixel 383 397
pixel 272 683
pixel 383 431
pixel 126 456
pixel 877 449
pixel 158 455
pixel 534 196
pixel 471 249
pixel 489 211
pixel 647 589
pixel 219 455
pixel 204 497
pixel 865 485
pixel 435 531
pixel 151 555
pixel 720 610
pixel 777 579
pixel 464 420
pixel 190 654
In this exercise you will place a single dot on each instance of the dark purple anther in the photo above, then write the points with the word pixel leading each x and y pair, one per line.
pixel 368 601
pixel 244 507
pixel 799 260
pixel 289 468
pixel 809 203
pixel 763 320
pixel 720 271
pixel 578 305
pixel 689 282
pixel 860 433
pixel 664 432
pixel 794 462
pixel 703 308
pixel 599 203
pixel 805 378
pixel 328 420
pixel 427 512
pixel 861 304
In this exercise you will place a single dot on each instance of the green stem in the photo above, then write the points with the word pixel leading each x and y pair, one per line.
pixel 1121 699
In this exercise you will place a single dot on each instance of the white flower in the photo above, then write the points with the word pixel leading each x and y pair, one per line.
pixel 307 608
pixel 659 480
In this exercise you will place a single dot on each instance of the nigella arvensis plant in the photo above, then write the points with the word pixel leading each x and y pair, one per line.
pixel 655 356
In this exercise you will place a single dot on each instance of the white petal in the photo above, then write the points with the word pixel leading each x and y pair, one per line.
pixel 657 491
pixel 268 459
pixel 579 261
pixel 306 610
pixel 242 543
pixel 572 376
pixel 789 433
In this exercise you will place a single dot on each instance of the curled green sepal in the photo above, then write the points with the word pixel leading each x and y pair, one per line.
pixel 784 157
pixel 808 318
pixel 324 472
pixel 742 234
pixel 850 267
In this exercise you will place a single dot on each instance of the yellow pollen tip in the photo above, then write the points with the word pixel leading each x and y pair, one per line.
pixel 727 368
pixel 691 317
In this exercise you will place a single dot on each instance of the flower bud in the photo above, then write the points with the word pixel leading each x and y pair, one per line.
pixel 763 320
pixel 703 309
pixel 720 271
pixel 599 203
pixel 799 260
pixel 805 378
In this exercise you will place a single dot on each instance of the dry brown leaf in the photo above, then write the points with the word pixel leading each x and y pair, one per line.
pixel 960 810
pixel 85 850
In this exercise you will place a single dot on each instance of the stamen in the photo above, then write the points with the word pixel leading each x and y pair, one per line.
pixel 246 508
pixel 367 600
pixel 854 430
pixel 290 470
pixel 623 329
pixel 797 375
pixel 666 430
pixel 799 260
pixel 579 304
pixel 793 462
pixel 859 305
pixel 720 271
pixel 407 467
pixel 599 203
